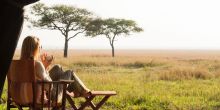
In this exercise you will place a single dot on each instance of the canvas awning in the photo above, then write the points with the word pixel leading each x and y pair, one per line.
pixel 11 21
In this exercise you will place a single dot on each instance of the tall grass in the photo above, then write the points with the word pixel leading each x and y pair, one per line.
pixel 148 82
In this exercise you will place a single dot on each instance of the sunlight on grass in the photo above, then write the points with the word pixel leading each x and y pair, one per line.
pixel 149 83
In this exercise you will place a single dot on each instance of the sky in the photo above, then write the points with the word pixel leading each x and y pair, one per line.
pixel 167 24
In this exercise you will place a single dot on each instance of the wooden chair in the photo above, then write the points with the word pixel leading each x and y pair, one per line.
pixel 89 97
pixel 21 75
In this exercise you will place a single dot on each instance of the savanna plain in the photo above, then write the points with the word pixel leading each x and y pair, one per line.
pixel 147 79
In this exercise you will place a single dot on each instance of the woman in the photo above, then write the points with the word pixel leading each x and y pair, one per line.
pixel 31 51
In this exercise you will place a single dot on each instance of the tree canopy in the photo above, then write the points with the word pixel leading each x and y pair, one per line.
pixel 71 21
pixel 64 18
pixel 111 28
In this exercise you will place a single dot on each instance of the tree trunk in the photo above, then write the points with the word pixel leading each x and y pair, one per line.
pixel 66 47
pixel 113 50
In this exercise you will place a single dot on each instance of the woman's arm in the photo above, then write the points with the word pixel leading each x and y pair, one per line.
pixel 46 60
pixel 41 71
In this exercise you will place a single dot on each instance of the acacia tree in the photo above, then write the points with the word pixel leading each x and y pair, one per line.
pixel 63 18
pixel 111 28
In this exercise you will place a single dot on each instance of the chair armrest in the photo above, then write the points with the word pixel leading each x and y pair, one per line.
pixel 48 82
pixel 52 82
pixel 67 81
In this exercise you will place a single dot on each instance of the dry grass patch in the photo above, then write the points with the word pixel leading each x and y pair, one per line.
pixel 185 73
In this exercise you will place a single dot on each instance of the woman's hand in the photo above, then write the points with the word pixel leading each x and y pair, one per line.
pixel 46 60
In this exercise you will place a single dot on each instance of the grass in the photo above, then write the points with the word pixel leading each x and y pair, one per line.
pixel 149 81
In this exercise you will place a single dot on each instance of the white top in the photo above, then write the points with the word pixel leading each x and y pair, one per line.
pixel 41 72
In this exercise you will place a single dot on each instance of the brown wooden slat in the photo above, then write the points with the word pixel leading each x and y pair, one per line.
pixel 42 95
pixel 67 81
pixel 55 82
pixel 56 95
pixel 49 97
pixel 64 97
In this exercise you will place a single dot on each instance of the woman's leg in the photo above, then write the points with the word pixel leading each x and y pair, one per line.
pixel 77 87
pixel 56 73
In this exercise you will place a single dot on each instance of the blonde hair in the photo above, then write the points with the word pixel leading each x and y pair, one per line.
pixel 30 47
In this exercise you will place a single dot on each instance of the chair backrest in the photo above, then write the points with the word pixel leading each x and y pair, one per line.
pixel 20 77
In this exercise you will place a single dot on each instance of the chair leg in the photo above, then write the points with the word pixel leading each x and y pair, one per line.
pixel 102 102
pixel 92 105
pixel 97 106
pixel 19 107
pixel 88 101
pixel 72 103
pixel 64 97
pixel 8 104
